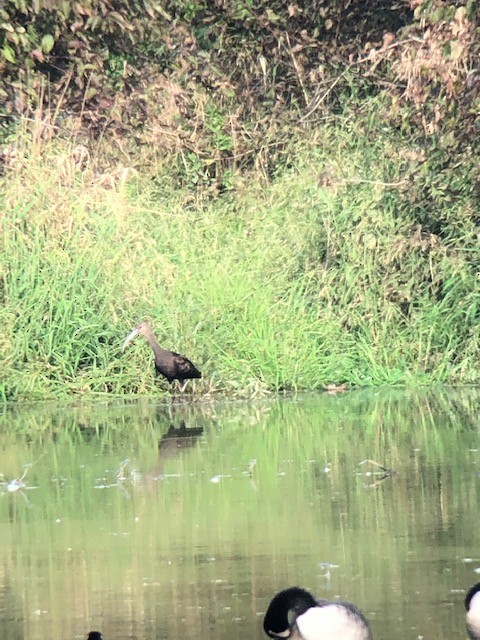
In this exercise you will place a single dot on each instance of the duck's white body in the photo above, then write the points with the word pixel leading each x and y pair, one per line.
pixel 332 621
pixel 295 614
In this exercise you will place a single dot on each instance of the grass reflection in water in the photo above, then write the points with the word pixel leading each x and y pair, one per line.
pixel 128 532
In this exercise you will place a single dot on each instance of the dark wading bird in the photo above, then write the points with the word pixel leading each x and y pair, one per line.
pixel 472 605
pixel 294 613
pixel 168 363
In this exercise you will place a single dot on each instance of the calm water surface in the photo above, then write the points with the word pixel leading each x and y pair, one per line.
pixel 153 521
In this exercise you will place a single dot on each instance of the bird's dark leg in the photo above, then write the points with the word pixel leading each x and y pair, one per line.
pixel 176 383
pixel 172 390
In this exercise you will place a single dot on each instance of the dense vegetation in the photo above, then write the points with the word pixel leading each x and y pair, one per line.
pixel 289 193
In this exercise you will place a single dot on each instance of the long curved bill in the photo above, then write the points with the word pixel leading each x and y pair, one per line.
pixel 130 337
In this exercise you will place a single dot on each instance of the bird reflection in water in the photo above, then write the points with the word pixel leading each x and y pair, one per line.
pixel 170 445
pixel 173 442
pixel 180 437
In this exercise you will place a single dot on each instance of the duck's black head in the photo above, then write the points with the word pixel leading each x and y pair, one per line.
pixel 276 622
pixel 468 598
pixel 94 635
pixel 472 605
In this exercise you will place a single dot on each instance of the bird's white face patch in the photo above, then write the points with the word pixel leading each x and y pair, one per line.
pixel 329 622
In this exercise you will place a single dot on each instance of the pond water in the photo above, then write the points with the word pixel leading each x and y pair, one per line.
pixel 149 520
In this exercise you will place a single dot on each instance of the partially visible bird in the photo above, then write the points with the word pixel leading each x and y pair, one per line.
pixel 94 635
pixel 472 605
pixel 294 613
pixel 168 363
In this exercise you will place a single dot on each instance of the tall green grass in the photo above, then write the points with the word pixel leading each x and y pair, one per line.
pixel 317 277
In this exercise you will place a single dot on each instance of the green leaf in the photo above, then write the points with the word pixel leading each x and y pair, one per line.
pixel 8 53
pixel 47 43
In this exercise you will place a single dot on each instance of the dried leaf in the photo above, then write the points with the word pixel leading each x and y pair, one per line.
pixel 36 54
pixel 75 26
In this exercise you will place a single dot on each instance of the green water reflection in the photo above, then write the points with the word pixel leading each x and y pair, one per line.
pixel 236 501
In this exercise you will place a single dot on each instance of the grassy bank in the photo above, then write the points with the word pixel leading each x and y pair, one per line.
pixel 323 275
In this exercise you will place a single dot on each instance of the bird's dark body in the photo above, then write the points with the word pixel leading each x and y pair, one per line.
pixel 173 366
pixel 169 364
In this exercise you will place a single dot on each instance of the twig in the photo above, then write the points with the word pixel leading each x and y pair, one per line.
pixel 377 464
pixel 297 70
pixel 378 182
pixel 317 100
